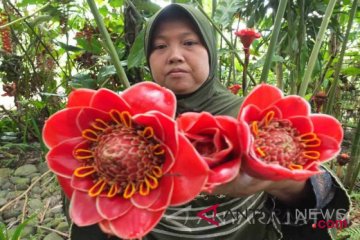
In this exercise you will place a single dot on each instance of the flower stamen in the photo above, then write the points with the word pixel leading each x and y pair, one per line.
pixel 97 188
pixel 144 189
pixel 99 124
pixel 157 171
pixel 260 152
pixel 268 117
pixel 81 154
pixel 126 119
pixel 115 116
pixel 113 190
pixel 85 171
pixel 90 135
pixel 151 181
pixel 148 132
pixel 158 150
pixel 129 190
pixel 293 166
pixel 255 128
pixel 314 155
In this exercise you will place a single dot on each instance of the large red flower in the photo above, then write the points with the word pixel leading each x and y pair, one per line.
pixel 220 140
pixel 118 157
pixel 288 141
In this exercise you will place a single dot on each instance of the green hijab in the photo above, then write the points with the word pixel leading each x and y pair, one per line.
pixel 211 96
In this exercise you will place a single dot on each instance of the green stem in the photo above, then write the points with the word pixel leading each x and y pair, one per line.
pixel 231 46
pixel 279 15
pixel 23 18
pixel 353 168
pixel 316 48
pixel 109 45
pixel 334 85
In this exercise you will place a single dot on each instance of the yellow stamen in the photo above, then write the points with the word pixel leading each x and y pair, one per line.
pixel 97 188
pixel 81 154
pixel 315 143
pixel 158 150
pixel 129 191
pixel 144 189
pixel 261 152
pixel 148 132
pixel 90 135
pixel 268 117
pixel 314 155
pixel 99 124
pixel 157 171
pixel 293 166
pixel 151 181
pixel 113 190
pixel 126 119
pixel 255 128
pixel 84 171
pixel 116 116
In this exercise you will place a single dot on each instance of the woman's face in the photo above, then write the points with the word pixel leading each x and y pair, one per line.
pixel 179 61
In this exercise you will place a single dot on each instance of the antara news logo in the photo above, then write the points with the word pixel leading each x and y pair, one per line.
pixel 319 218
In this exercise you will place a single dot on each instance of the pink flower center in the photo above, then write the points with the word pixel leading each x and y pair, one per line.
pixel 276 141
pixel 122 157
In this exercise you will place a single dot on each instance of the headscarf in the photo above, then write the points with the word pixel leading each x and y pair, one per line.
pixel 211 96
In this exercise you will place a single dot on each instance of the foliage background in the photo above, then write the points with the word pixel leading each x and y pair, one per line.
pixel 52 47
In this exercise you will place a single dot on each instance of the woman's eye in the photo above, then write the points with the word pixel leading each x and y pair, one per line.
pixel 160 46
pixel 190 43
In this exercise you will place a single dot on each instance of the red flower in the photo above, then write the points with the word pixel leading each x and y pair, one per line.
pixel 288 141
pixel 247 36
pixel 119 158
pixel 220 140
pixel 234 88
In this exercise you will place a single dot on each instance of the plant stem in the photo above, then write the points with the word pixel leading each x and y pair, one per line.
pixel 316 48
pixel 109 45
pixel 330 103
pixel 246 63
pixel 353 168
pixel 23 18
pixel 277 25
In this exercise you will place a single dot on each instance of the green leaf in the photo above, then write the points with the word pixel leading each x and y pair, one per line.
pixel 351 71
pixel 40 19
pixel 3 232
pixel 20 228
pixel 116 3
pixel 105 72
pixel 103 10
pixel 137 54
pixel 83 80
pixel 68 48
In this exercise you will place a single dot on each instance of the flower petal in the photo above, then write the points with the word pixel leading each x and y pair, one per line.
pixel 105 227
pixel 106 100
pixel 225 172
pixel 147 96
pixel 61 126
pixel 302 124
pixel 83 210
pixel 293 106
pixel 249 114
pixel 193 122
pixel 65 184
pixel 88 115
pixel 80 97
pixel 136 223
pixel 112 208
pixel 329 147
pixel 82 184
pixel 262 96
pixel 165 131
pixel 60 159
pixel 327 125
pixel 158 198
pixel 188 181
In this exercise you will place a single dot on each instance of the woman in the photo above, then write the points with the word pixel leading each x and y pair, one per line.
pixel 180 47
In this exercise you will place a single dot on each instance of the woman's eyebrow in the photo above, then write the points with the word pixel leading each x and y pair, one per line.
pixel 184 34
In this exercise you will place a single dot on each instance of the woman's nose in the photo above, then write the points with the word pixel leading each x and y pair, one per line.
pixel 175 55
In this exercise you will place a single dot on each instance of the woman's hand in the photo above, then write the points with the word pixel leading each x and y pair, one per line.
pixel 289 192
